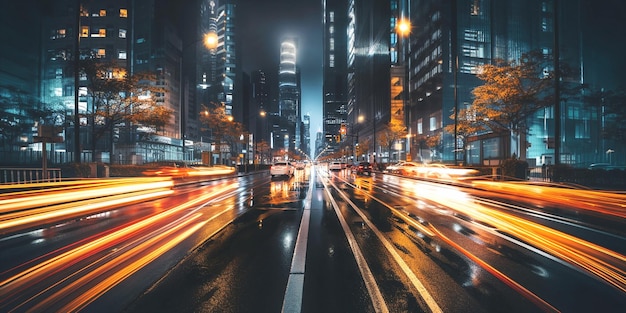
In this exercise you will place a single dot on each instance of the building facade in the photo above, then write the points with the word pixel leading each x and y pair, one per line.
pixel 289 95
pixel 335 71
pixel 450 40
pixel 368 80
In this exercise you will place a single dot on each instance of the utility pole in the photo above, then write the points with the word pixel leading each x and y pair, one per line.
pixel 557 88
pixel 77 151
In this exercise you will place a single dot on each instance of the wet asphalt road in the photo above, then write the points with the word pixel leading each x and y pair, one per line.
pixel 245 267
pixel 318 242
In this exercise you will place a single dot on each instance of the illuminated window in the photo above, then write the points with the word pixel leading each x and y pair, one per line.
pixel 123 13
pixel 84 31
pixel 103 12
pixel 433 123
pixel 58 92
pixel 475 8
pixel 102 32
pixel 331 60
pixel 420 129
pixel 101 53
pixel 122 33
pixel 121 54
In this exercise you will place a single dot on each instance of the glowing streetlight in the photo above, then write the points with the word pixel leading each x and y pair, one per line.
pixel 403 28
pixel 210 40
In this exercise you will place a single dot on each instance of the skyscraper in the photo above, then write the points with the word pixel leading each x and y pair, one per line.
pixel 369 75
pixel 259 109
pixel 335 71
pixel 289 93
pixel 229 59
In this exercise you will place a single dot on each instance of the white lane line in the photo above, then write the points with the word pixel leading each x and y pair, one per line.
pixel 378 302
pixel 292 303
pixel 421 289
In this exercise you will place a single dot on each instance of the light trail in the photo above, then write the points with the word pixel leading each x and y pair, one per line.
pixel 605 264
pixel 118 275
pixel 609 203
pixel 50 198
pixel 25 281
pixel 16 221
pixel 597 261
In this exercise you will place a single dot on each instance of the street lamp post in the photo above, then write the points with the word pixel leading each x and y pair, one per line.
pixel 210 41
pixel 403 29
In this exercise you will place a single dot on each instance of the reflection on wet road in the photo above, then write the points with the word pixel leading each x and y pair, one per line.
pixel 372 243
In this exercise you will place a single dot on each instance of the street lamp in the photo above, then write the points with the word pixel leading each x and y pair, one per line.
pixel 210 42
pixel 609 153
pixel 403 28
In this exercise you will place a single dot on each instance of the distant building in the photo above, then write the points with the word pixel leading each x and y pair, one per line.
pixel 305 146
pixel 289 95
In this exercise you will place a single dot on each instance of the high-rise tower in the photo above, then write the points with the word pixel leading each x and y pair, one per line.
pixel 335 71
pixel 289 95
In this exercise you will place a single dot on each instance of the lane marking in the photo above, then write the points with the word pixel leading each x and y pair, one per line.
pixel 378 302
pixel 421 289
pixel 292 301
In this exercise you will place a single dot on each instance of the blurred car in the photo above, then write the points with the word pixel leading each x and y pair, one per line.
pixel 172 169
pixel 282 169
pixel 362 168
pixel 300 165
pixel 436 170
pixel 393 168
pixel 410 169
pixel 599 166
pixel 336 166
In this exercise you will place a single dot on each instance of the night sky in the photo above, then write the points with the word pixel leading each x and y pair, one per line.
pixel 265 23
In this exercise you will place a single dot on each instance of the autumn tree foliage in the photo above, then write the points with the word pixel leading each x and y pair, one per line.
pixel 225 132
pixel 512 92
pixel 119 99
pixel 394 131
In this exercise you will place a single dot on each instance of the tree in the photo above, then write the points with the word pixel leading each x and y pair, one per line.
pixel 120 100
pixel 225 132
pixel 513 91
pixel 362 147
pixel 263 151
pixel 610 105
pixel 434 144
pixel 394 131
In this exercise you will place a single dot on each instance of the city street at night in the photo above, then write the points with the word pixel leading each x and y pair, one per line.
pixel 320 241
pixel 313 156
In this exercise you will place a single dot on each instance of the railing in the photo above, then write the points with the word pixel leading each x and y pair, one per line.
pixel 28 175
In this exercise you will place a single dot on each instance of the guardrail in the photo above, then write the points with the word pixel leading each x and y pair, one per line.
pixel 28 175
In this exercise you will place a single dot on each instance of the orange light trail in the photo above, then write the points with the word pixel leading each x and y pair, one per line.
pixel 26 279
pixel 597 260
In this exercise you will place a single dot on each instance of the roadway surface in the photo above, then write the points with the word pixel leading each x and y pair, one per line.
pixel 319 241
